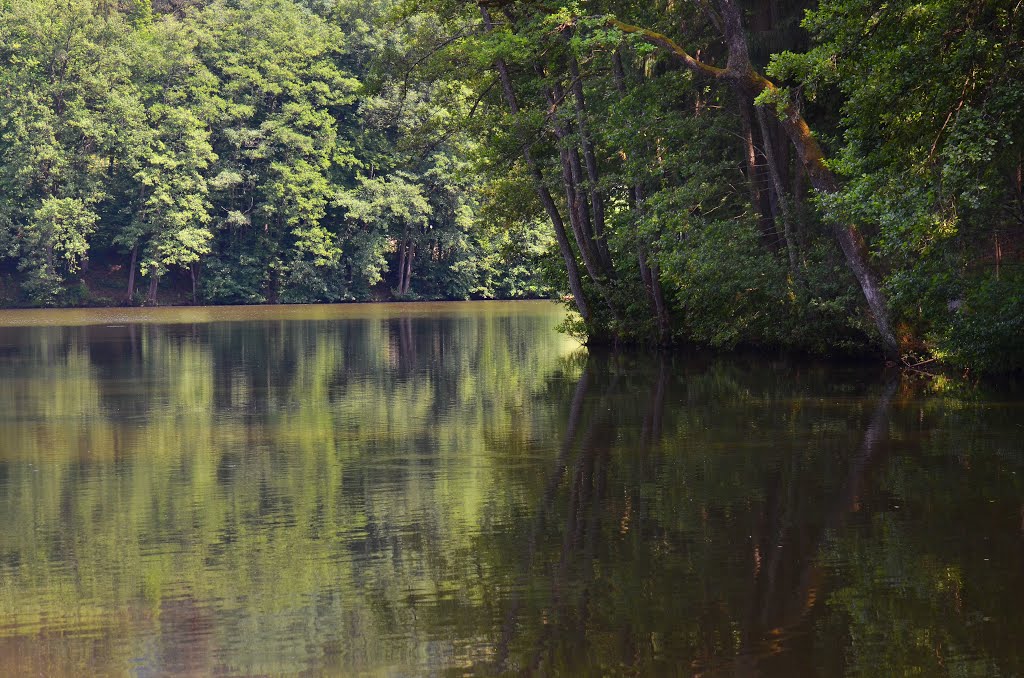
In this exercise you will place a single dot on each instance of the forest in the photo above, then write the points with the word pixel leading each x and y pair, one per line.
pixel 843 177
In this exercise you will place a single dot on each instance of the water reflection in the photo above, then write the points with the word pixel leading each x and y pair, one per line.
pixel 467 492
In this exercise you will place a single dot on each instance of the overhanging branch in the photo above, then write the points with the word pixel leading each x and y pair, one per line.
pixel 666 43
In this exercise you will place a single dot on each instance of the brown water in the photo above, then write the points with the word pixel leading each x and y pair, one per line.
pixel 454 489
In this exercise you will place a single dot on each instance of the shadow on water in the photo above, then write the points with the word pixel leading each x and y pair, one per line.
pixel 706 517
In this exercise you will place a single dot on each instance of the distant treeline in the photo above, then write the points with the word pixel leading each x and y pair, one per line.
pixel 236 152
pixel 844 176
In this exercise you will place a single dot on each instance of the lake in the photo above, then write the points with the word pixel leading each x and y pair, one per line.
pixel 458 489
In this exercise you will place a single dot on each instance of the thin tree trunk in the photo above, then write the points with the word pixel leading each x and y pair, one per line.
pixel 645 272
pixel 577 216
pixel 579 212
pixel 740 71
pixel 564 246
pixel 780 197
pixel 403 250
pixel 154 281
pixel 656 293
pixel 660 307
pixel 130 294
pixel 590 158
pixel 546 199
pixel 408 268
pixel 195 293
pixel 649 273
pixel 758 198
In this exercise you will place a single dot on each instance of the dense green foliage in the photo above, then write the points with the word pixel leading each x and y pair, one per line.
pixel 699 206
pixel 931 146
pixel 626 155
pixel 247 151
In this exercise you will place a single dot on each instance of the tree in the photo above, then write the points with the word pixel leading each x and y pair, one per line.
pixel 272 111
pixel 932 133
pixel 740 74
pixel 62 75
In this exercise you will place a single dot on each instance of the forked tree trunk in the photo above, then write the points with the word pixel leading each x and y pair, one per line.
pixel 590 159
pixel 572 177
pixel 579 210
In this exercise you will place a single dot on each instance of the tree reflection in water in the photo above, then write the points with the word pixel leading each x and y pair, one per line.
pixel 466 491
pixel 720 546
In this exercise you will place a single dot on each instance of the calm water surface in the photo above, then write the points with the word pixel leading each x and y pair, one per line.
pixel 458 489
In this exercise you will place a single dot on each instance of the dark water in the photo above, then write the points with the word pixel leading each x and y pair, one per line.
pixel 458 489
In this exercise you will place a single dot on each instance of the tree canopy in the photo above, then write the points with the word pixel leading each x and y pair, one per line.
pixel 842 176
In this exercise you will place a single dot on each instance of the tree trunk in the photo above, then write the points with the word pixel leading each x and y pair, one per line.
pixel 579 210
pixel 590 158
pixel 154 281
pixel 546 199
pixel 654 274
pixel 649 273
pixel 660 307
pixel 577 213
pixel 130 294
pixel 742 74
pixel 755 181
pixel 403 250
pixel 780 197
pixel 408 267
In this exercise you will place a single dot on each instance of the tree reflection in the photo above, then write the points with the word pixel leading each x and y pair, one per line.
pixel 470 494
pixel 677 553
